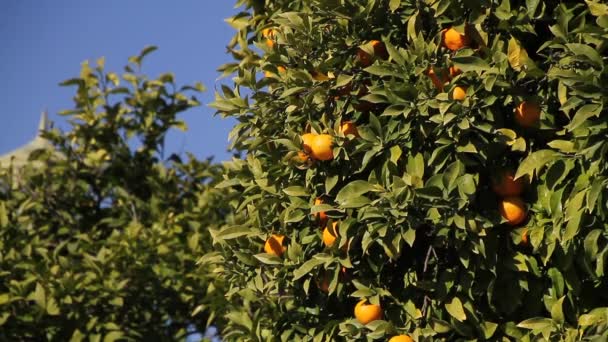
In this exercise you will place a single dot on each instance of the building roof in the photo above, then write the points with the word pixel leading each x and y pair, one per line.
pixel 19 156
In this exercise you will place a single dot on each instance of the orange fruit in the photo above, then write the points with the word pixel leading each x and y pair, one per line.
pixel 453 39
pixel 401 338
pixel 349 127
pixel 329 237
pixel 438 83
pixel 505 185
pixel 274 245
pixel 524 237
pixel 280 69
pixel 454 71
pixel 321 215
pixel 513 209
pixel 365 59
pixel 459 93
pixel 269 34
pixel 302 157
pixel 307 141
pixel 324 283
pixel 365 313
pixel 321 147
pixel 527 113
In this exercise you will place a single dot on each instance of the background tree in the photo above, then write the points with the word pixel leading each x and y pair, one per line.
pixel 101 243
pixel 444 161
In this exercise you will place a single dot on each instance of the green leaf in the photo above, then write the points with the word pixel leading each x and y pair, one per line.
pixel 503 11
pixel 456 310
pixel 591 244
pixel 535 161
pixel 355 202
pixel 415 165
pixel 4 298
pixel 470 63
pixel 587 51
pixel 113 336
pixel 394 4
pixel 306 268
pixel 52 308
pixel 564 146
pixel 268 259
pixel 39 296
pixel 597 8
pixel 233 232
pixel 330 182
pixel 584 113
pixel 77 336
pixel 355 189
pixel 557 312
pixel 3 216
pixel 536 323
pixel 586 320
pixel 296 191
pixel 488 328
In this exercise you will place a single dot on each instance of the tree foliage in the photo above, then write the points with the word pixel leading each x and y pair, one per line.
pixel 101 244
pixel 420 230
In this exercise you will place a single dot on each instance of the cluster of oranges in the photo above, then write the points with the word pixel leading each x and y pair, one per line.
pixel 319 147
pixel 527 114
pixel 453 41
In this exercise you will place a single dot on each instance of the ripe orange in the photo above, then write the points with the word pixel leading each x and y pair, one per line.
pixel 349 127
pixel 302 157
pixel 329 237
pixel 274 245
pixel 453 39
pixel 324 283
pixel 321 215
pixel 524 237
pixel 365 59
pixel 365 313
pixel 269 34
pixel 454 71
pixel 437 82
pixel 513 209
pixel 459 93
pixel 307 141
pixel 401 338
pixel 505 185
pixel 280 69
pixel 321 147
pixel 527 113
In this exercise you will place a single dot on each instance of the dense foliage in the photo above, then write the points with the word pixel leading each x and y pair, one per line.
pixel 446 96
pixel 99 238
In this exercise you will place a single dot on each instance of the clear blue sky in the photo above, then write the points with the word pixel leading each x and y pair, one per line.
pixel 44 43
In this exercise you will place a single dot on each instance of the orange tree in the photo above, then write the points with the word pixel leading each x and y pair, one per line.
pixel 469 191
pixel 99 237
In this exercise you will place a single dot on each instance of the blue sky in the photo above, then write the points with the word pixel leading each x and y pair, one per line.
pixel 44 43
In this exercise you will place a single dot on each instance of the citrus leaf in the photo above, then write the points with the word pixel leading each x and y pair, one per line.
pixel 584 113
pixel 354 189
pixel 534 162
pixel 470 63
pixel 536 323
pixel 306 268
pixel 557 312
pixel 268 259
pixel 456 309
